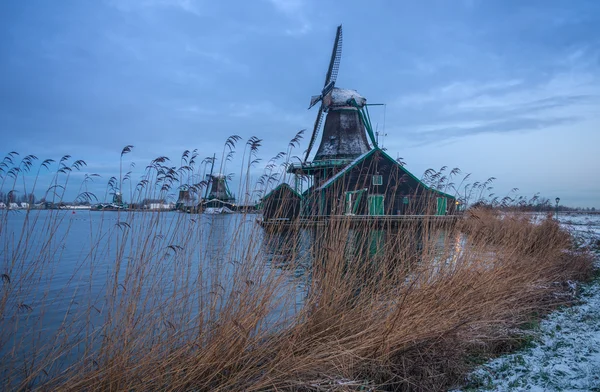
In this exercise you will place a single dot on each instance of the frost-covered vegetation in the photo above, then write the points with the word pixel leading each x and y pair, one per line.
pixel 564 353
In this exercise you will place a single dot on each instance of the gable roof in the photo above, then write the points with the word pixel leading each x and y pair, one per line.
pixel 339 174
pixel 282 185
pixel 361 158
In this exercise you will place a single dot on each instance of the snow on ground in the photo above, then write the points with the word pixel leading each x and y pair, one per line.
pixel 585 228
pixel 565 356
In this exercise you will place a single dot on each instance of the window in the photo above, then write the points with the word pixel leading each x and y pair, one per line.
pixel 377 180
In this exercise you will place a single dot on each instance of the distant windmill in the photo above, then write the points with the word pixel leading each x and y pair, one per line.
pixel 218 194
pixel 219 189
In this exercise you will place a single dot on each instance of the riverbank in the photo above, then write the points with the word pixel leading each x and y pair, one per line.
pixel 564 352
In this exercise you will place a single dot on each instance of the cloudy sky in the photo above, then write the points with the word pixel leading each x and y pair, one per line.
pixel 509 89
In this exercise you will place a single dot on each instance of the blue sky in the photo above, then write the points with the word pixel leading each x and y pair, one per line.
pixel 509 89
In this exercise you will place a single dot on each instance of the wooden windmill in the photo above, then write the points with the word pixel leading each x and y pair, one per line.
pixel 217 194
pixel 347 130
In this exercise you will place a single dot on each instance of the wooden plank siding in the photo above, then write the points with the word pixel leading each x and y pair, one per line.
pixel 282 203
pixel 403 194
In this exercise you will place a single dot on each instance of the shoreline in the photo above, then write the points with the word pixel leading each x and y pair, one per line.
pixel 564 352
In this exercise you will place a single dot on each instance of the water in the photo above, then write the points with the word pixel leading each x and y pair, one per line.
pixel 63 259
pixel 67 275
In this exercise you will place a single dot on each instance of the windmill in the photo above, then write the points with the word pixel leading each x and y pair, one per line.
pixel 219 189
pixel 349 174
pixel 217 194
pixel 346 127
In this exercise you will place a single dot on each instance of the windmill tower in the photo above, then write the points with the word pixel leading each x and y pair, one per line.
pixel 217 192
pixel 347 130
pixel 219 189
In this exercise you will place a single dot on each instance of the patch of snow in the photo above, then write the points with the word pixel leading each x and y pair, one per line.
pixel 585 228
pixel 566 353
pixel 342 96
pixel 566 357
pixel 221 210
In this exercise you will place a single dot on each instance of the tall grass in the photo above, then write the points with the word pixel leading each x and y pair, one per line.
pixel 173 301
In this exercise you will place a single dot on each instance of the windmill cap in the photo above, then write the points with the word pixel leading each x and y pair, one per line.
pixel 343 97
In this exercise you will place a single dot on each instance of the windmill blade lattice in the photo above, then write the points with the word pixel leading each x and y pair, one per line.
pixel 315 132
pixel 336 56
pixel 330 78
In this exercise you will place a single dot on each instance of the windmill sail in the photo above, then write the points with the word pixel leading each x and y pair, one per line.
pixel 314 100
pixel 332 71
pixel 336 56
pixel 315 132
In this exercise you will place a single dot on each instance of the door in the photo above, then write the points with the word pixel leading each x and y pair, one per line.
pixel 376 205
pixel 441 206
pixel 348 210
pixel 352 201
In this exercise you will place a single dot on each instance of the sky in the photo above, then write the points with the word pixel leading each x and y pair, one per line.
pixel 509 89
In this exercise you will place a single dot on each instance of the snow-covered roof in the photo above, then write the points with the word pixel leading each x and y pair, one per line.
pixel 342 97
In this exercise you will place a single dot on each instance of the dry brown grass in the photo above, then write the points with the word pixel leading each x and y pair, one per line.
pixel 406 316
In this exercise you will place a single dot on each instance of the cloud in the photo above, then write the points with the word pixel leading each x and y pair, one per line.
pixel 296 11
pixel 455 131
pixel 457 90
pixel 467 108
pixel 220 60
pixel 266 109
pixel 304 28
pixel 166 75
pixel 288 7
pixel 568 87
pixel 189 6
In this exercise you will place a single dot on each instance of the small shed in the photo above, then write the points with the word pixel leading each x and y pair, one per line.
pixel 282 203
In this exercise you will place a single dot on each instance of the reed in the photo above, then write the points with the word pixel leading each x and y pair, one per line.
pixel 173 301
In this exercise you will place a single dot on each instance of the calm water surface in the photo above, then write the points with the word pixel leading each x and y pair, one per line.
pixel 59 267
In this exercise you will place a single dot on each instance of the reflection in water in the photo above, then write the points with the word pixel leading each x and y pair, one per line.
pixel 368 252
pixel 288 250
